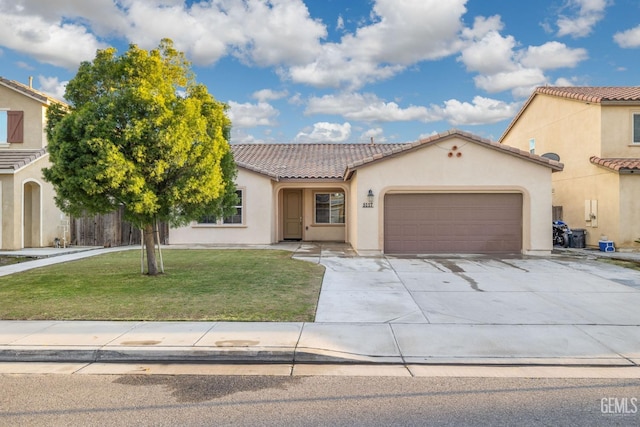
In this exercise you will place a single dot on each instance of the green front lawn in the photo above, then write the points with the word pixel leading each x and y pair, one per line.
pixel 213 285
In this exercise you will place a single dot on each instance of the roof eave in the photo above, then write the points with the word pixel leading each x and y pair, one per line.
pixel 517 116
pixel 258 171
pixel 312 180
pixel 620 102
pixel 454 133
pixel 41 99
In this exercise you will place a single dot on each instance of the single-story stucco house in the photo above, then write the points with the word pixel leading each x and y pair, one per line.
pixel 450 193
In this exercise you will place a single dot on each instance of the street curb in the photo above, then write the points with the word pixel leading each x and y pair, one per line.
pixel 284 356
pixel 145 355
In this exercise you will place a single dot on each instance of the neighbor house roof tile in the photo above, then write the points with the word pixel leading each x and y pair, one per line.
pixel 339 161
pixel 29 91
pixel 12 160
pixel 617 164
pixel 595 94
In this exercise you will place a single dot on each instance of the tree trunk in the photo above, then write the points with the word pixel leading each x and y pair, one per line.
pixel 149 242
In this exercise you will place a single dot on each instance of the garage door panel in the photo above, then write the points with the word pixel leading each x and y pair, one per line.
pixel 453 223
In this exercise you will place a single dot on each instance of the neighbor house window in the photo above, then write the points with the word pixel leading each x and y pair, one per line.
pixel 3 127
pixel 636 128
pixel 236 218
pixel 330 208
pixel 11 126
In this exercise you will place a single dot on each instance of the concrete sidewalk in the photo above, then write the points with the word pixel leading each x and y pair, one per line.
pixel 555 311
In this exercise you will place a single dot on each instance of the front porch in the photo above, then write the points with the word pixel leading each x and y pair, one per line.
pixel 315 213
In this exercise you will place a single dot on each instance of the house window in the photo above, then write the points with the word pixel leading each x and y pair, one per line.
pixel 235 219
pixel 532 146
pixel 636 128
pixel 11 126
pixel 330 208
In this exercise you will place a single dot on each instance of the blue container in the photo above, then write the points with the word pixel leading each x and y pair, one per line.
pixel 606 246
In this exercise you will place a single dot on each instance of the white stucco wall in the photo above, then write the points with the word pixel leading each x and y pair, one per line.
pixel 258 218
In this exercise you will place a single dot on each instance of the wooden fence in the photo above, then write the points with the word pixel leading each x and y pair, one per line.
pixel 109 230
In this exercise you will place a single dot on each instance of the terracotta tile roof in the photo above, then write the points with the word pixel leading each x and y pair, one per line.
pixel 339 161
pixel 30 92
pixel 12 160
pixel 596 94
pixel 617 164
pixel 310 161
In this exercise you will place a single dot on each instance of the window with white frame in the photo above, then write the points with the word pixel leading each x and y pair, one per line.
pixel 636 128
pixel 3 127
pixel 235 219
pixel 329 208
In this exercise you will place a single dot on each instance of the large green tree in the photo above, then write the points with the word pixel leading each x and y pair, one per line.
pixel 141 132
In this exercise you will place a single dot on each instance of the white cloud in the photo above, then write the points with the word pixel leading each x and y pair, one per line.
pixel 103 17
pixel 52 86
pixel 326 132
pixel 519 78
pixel 552 55
pixel 369 108
pixel 264 32
pixel 491 54
pixel 580 24
pixel 265 95
pixel 482 26
pixel 563 82
pixel 240 136
pixel 427 135
pixel 375 134
pixel 366 107
pixel 502 66
pixel 249 115
pixel 25 66
pixel 629 38
pixel 296 99
pixel 57 43
pixel 480 111
pixel 280 32
pixel 403 33
pixel 65 32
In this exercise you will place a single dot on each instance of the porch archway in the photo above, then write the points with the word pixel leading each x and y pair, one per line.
pixel 31 215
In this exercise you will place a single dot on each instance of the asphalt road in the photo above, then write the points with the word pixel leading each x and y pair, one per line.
pixel 189 400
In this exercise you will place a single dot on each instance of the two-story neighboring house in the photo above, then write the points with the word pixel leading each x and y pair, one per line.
pixel 28 213
pixel 595 131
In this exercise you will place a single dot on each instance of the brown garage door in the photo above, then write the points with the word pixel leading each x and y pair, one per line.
pixel 452 223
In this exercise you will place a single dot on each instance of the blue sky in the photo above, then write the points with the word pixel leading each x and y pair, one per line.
pixel 343 70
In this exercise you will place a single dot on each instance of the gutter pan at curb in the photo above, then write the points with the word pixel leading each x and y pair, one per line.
pixel 146 354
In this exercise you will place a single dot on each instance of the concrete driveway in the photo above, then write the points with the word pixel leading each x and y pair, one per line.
pixel 466 309
pixel 478 290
